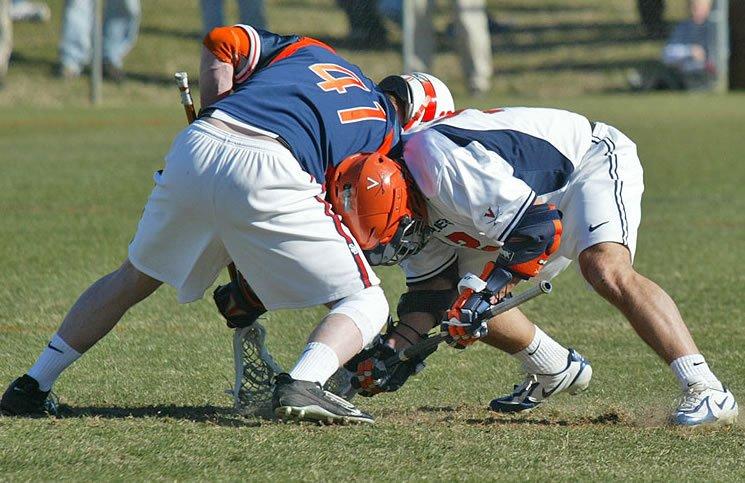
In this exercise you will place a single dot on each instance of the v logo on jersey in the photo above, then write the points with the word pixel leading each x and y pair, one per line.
pixel 490 213
pixel 371 183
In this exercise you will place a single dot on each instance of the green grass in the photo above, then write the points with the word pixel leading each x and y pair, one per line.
pixel 148 401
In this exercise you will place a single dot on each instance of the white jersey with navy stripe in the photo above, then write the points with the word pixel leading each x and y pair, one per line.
pixel 480 171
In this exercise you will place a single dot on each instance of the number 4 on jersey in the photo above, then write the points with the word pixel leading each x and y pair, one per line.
pixel 340 84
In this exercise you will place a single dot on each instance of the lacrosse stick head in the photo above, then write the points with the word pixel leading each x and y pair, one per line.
pixel 255 369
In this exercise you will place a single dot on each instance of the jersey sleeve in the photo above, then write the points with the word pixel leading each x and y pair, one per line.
pixel 474 183
pixel 246 48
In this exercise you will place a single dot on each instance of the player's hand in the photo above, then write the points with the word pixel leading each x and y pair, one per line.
pixel 532 242
pixel 371 376
pixel 467 317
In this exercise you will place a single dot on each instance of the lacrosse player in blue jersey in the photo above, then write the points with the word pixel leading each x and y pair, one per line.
pixel 245 182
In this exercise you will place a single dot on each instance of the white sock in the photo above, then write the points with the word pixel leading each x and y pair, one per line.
pixel 53 360
pixel 693 368
pixel 317 363
pixel 543 355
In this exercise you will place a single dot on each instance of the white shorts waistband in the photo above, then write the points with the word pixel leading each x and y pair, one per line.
pixel 249 142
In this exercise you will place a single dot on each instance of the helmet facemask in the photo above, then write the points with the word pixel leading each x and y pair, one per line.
pixel 410 237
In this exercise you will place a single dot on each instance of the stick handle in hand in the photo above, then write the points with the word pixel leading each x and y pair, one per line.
pixel 500 308
pixel 182 81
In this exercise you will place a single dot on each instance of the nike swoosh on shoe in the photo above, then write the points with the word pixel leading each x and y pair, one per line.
pixel 548 393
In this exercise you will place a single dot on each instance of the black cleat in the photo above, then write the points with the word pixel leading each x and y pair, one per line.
pixel 307 401
pixel 23 398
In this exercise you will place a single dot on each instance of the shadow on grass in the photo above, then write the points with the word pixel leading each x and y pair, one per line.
pixel 151 78
pixel 452 413
pixel 605 419
pixel 219 416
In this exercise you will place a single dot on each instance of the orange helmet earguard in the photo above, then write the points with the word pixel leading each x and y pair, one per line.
pixel 379 203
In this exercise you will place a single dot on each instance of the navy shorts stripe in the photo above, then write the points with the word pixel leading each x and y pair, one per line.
pixel 617 184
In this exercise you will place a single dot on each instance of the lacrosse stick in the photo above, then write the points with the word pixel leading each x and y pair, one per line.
pixel 496 309
pixel 182 81
pixel 255 367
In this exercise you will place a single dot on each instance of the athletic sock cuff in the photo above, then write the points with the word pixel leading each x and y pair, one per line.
pixel 543 355
pixel 691 369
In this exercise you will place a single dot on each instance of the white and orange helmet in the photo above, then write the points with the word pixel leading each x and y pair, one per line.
pixel 427 98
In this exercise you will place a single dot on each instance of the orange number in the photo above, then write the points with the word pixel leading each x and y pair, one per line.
pixel 466 240
pixel 340 83
pixel 357 114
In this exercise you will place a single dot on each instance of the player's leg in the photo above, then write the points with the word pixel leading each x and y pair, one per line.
pixel 296 253
pixel 174 243
pixel 656 319
pixel 605 207
pixel 94 314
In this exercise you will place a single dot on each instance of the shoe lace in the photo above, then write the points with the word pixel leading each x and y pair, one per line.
pixel 529 380
pixel 692 397
pixel 51 404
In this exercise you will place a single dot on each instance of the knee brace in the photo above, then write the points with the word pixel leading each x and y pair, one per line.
pixel 367 308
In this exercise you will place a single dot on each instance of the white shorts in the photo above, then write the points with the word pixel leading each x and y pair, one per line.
pixel 224 197
pixel 601 203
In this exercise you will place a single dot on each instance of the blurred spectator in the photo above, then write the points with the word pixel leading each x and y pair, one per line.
pixel 28 11
pixel 16 11
pixel 121 23
pixel 6 38
pixel 687 59
pixel 366 28
pixel 473 42
pixel 250 12
pixel 652 16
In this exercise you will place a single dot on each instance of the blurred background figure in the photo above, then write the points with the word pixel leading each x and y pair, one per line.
pixel 687 58
pixel 652 16
pixel 250 12
pixel 16 11
pixel 6 39
pixel 28 11
pixel 473 42
pixel 121 23
pixel 366 28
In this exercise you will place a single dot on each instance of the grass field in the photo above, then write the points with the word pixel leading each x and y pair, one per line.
pixel 148 402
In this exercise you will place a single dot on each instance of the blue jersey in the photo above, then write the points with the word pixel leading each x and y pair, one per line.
pixel 320 105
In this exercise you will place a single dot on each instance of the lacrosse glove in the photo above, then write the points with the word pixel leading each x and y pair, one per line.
pixel 467 317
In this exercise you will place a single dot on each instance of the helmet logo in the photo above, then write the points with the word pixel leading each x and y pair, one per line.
pixel 371 183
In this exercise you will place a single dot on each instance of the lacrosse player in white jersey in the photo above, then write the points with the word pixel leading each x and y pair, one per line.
pixel 516 194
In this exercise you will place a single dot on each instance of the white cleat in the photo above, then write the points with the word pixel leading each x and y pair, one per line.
pixel 536 388
pixel 703 404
